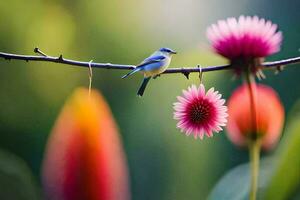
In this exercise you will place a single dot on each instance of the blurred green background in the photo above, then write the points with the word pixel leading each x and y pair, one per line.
pixel 163 163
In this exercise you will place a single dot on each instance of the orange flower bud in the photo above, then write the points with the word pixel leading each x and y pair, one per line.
pixel 84 158
pixel 269 114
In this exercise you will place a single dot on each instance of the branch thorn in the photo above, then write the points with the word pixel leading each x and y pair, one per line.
pixel 61 57
pixel 279 69
pixel 38 51
pixel 186 74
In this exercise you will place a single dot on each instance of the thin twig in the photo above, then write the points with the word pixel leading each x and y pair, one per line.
pixel 183 70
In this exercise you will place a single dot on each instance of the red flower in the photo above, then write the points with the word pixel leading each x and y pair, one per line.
pixel 84 158
pixel 269 114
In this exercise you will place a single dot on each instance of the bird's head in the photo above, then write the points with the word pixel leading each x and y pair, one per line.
pixel 167 51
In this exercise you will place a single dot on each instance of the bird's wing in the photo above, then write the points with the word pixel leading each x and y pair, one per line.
pixel 152 59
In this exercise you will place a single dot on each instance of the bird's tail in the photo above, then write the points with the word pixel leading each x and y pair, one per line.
pixel 132 72
pixel 143 86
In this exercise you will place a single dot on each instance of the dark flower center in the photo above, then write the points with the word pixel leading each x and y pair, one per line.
pixel 200 111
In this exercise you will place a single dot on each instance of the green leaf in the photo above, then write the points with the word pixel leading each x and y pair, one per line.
pixel 16 181
pixel 235 184
pixel 286 177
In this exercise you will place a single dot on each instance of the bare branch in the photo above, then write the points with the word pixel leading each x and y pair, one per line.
pixel 183 70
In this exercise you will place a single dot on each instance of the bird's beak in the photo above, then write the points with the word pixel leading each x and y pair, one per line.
pixel 174 52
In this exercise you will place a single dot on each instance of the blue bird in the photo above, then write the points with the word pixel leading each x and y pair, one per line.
pixel 152 66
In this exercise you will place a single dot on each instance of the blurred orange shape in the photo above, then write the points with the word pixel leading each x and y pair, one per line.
pixel 84 158
pixel 269 116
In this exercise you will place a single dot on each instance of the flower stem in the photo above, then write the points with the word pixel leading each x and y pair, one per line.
pixel 252 89
pixel 254 140
pixel 254 149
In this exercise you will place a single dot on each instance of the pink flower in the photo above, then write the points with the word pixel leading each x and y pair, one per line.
pixel 247 37
pixel 200 113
